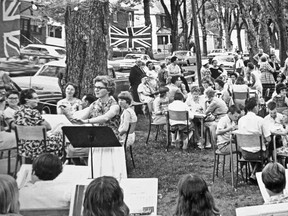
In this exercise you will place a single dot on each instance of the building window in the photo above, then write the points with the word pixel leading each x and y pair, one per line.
pixel 55 31
pixel 162 40
pixel 115 16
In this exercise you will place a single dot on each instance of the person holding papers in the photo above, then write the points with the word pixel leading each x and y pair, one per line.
pixel 194 198
pixel 104 196
pixel 274 179
pixel 27 115
pixel 42 191
pixel 105 111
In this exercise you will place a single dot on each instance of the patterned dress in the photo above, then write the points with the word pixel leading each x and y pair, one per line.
pixel 109 161
pixel 266 73
pixel 27 116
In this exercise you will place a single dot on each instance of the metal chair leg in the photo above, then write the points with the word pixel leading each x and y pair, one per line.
pixel 217 167
pixel 148 133
pixel 214 169
pixel 132 156
pixel 157 131
pixel 223 168
pixel 9 162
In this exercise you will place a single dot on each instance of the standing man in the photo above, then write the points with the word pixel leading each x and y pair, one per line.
pixel 136 74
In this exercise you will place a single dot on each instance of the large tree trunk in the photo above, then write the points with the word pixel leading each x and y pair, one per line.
pixel 185 28
pixel 264 37
pixel 86 38
pixel 283 37
pixel 147 12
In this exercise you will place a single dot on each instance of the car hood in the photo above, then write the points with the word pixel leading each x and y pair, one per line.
pixel 39 83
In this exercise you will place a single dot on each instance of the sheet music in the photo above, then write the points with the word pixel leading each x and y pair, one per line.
pixel 140 195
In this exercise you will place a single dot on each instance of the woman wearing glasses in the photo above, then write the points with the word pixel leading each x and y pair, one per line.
pixel 105 111
pixel 27 115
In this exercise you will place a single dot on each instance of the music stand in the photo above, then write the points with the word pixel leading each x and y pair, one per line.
pixel 91 136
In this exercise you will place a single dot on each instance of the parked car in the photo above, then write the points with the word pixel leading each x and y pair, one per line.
pixel 129 61
pixel 185 57
pixel 227 60
pixel 45 82
pixel 215 52
pixel 43 50
pixel 18 67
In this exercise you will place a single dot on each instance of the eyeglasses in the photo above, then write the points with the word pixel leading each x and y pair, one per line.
pixel 99 87
pixel 13 98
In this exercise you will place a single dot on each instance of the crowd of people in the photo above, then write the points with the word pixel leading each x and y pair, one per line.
pixel 165 89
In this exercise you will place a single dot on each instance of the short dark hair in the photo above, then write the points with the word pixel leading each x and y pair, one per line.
pixel 234 109
pixel 279 87
pixel 179 96
pixel 240 81
pixel 90 98
pixel 10 92
pixel 213 61
pixel 47 166
pixel 282 76
pixel 250 104
pixel 148 62
pixel 271 105
pixel 220 82
pixel 233 74
pixel 125 95
pixel 273 177
pixel 174 79
pixel 173 59
pixel 26 94
pixel 250 65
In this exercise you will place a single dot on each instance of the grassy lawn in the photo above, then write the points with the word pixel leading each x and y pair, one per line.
pixel 152 161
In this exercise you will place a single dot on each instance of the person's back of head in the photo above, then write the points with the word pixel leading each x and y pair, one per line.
pixel 271 105
pixel 273 177
pixel 9 195
pixel 90 98
pixel 250 104
pixel 178 96
pixel 47 167
pixel 194 197
pixel 104 197
pixel 174 79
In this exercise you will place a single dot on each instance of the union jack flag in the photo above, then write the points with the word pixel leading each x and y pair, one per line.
pixel 9 28
pixel 130 37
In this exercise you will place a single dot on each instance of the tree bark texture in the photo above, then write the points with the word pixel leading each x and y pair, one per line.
pixel 264 37
pixel 283 37
pixel 86 43
pixel 197 42
pixel 147 12
pixel 239 42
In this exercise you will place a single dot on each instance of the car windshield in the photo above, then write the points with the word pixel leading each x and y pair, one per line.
pixel 132 56
pixel 51 71
pixel 180 53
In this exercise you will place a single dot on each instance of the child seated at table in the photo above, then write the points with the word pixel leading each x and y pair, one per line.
pixel 274 179
pixel 178 128
pixel 42 191
pixel 128 116
pixel 160 106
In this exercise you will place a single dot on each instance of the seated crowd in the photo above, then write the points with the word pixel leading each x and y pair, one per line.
pixel 226 102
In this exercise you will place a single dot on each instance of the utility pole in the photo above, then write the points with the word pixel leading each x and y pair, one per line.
pixel 197 42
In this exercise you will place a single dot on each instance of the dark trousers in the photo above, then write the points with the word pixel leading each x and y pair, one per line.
pixel 138 109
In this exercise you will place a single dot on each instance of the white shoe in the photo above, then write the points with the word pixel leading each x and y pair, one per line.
pixel 208 146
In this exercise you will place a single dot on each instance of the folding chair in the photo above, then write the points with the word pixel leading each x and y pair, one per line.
pixel 240 97
pixel 150 108
pixel 29 133
pixel 268 89
pixel 131 130
pixel 248 140
pixel 177 116
pixel 217 155
pixel 2 157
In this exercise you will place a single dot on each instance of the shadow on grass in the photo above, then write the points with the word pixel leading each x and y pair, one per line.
pixel 153 161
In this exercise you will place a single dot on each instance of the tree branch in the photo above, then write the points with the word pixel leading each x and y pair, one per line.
pixel 167 12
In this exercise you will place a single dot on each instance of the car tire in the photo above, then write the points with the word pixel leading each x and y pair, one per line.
pixel 46 110
pixel 188 63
